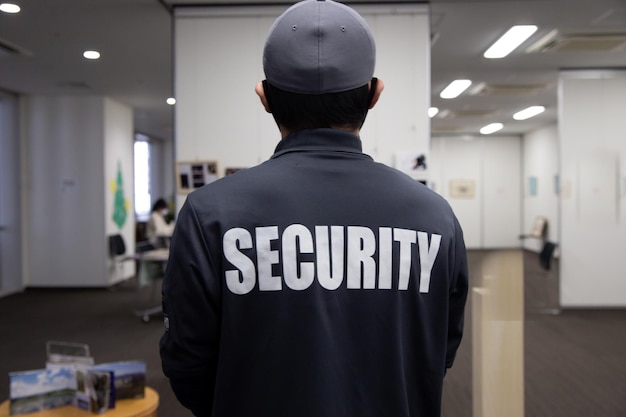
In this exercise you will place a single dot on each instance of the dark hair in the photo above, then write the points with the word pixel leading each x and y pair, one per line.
pixel 296 111
pixel 159 205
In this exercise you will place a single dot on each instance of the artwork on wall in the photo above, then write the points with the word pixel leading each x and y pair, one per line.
pixel 462 189
pixel 120 202
pixel 532 186
pixel 557 184
pixel 232 170
pixel 413 163
pixel 191 175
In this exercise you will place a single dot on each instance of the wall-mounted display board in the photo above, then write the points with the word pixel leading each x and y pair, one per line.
pixel 191 175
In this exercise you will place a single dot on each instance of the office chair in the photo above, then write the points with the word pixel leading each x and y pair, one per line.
pixel 545 261
pixel 545 256
pixel 539 231
pixel 117 246
pixel 117 251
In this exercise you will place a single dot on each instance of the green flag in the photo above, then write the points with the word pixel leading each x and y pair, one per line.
pixel 119 203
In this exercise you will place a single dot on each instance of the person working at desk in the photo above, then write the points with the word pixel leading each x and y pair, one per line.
pixel 319 283
pixel 157 227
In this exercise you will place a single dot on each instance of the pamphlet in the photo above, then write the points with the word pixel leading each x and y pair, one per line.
pixel 41 389
pixel 129 378
pixel 72 378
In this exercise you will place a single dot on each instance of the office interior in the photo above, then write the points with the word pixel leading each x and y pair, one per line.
pixel 67 175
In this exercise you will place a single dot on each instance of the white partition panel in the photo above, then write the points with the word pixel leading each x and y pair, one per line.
pixel 457 162
pixel 218 115
pixel 119 184
pixel 80 158
pixel 592 139
pixel 502 211
pixel 218 61
pixel 10 202
pixel 540 166
pixel 498 336
pixel 480 177
pixel 399 122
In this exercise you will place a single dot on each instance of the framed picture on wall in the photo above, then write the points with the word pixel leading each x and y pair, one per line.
pixel 191 175
pixel 462 189
pixel 413 163
pixel 232 170
pixel 532 186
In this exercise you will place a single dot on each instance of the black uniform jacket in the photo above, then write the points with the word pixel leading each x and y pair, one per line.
pixel 317 284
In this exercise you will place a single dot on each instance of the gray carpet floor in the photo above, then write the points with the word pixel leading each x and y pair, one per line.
pixel 575 361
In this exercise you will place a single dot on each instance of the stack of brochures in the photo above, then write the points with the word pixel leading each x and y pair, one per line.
pixel 71 377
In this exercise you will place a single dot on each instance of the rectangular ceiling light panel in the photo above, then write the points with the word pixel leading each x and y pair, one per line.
pixel 507 43
pixel 455 88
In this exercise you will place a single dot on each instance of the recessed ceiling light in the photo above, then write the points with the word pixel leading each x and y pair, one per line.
pixel 171 101
pixel 432 111
pixel 9 8
pixel 491 128
pixel 455 88
pixel 91 54
pixel 513 38
pixel 528 112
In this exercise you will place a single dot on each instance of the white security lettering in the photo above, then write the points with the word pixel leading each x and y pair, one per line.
pixel 329 256
pixel 406 239
pixel 266 257
pixel 427 257
pixel 235 239
pixel 384 258
pixel 295 237
pixel 361 264
pixel 367 260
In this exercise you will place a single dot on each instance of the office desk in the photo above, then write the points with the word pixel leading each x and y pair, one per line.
pixel 143 407
pixel 150 269
pixel 154 255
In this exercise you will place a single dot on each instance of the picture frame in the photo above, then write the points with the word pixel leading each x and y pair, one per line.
pixel 191 175
pixel 414 163
pixel 463 189
pixel 231 170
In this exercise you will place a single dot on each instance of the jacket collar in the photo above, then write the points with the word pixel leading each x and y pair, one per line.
pixel 319 140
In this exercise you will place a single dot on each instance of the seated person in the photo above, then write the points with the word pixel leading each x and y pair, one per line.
pixel 158 230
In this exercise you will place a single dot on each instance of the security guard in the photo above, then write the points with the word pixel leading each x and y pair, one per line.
pixel 319 283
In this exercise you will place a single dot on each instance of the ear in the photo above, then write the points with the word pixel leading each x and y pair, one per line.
pixel 380 86
pixel 261 93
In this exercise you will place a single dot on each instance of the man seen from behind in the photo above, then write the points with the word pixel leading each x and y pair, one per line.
pixel 319 283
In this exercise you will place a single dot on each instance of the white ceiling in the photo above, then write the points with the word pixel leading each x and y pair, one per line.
pixel 45 42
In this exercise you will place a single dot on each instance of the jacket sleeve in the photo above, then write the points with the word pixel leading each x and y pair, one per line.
pixel 191 296
pixel 458 296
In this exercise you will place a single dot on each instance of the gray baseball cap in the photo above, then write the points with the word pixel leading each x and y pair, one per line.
pixel 317 47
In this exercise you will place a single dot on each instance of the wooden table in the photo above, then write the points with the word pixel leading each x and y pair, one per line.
pixel 143 407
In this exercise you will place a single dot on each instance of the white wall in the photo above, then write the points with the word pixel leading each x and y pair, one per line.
pixel 491 214
pixel 68 172
pixel 399 121
pixel 162 180
pixel 217 114
pixel 219 117
pixel 118 160
pixel 10 201
pixel 592 142
pixel 540 161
